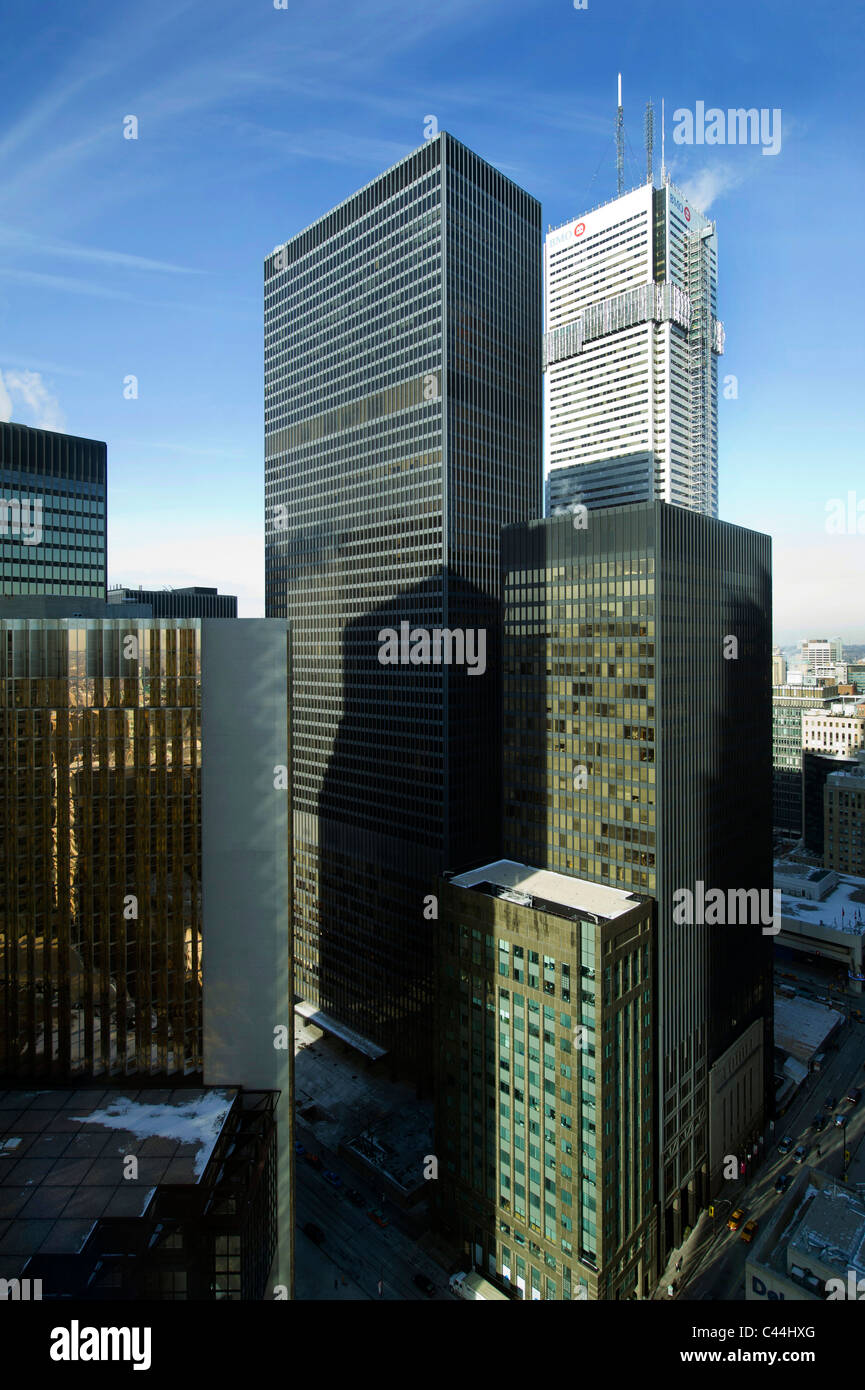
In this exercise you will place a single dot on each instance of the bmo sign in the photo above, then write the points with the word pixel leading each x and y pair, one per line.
pixel 565 236
pixel 579 229
pixel 681 208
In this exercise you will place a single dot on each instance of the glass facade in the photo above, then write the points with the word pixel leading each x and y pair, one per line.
pixel 52 513
pixel 402 430
pixel 636 753
pixel 100 927
pixel 545 1091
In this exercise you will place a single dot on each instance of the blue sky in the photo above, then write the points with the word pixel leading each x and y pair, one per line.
pixel 144 257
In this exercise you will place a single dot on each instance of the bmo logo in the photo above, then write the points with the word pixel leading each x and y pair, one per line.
pixel 579 229
pixel 687 214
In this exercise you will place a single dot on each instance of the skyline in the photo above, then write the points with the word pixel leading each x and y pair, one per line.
pixel 143 257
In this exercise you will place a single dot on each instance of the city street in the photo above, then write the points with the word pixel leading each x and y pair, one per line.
pixel 714 1259
pixel 354 1247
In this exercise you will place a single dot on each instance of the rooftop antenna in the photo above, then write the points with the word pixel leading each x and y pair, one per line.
pixel 650 142
pixel 620 143
pixel 663 133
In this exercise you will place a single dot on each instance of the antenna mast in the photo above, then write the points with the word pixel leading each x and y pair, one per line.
pixel 663 133
pixel 620 143
pixel 650 142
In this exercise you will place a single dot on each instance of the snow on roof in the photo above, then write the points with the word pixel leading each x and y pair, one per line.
pixel 196 1120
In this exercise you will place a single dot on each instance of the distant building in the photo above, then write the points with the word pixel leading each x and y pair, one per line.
pixel 631 349
pixel 193 602
pixel 820 654
pixel 839 729
pixel 823 915
pixel 844 820
pixel 52 513
pixel 789 703
pixel 545 1089
pixel 817 768
pixel 779 667
pixel 856 676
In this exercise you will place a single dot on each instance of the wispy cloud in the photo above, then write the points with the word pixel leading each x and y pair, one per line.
pixel 27 390
pixel 43 246
pixel 705 185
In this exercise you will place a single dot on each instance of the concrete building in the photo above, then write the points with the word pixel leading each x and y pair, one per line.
pixel 545 1088
pixel 813 1246
pixel 625 731
pixel 631 348
pixel 779 667
pixel 844 823
pixel 840 729
pixel 402 430
pixel 823 917
pixel 52 513
pixel 820 654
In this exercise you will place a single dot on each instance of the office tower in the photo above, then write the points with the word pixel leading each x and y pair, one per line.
pixel 844 820
pixel 779 667
pixel 856 676
pixel 52 513
pixel 636 689
pixel 545 1088
pixel 821 654
pixel 402 430
pixel 631 348
pixel 620 482
pixel 817 768
pixel 789 703
pixel 194 602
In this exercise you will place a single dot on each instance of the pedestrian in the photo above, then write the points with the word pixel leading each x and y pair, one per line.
pixel 336 1283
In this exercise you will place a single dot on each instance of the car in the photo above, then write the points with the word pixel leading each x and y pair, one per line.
pixel 783 1182
pixel 830 1103
pixel 841 1120
pixel 355 1197
pixel 425 1285
pixel 314 1232
pixel 333 1178
pixel 749 1232
pixel 854 1096
pixel 313 1159
pixel 820 1123
pixel 736 1219
pixel 377 1215
pixel 299 1149
pixel 799 1155
pixel 786 1144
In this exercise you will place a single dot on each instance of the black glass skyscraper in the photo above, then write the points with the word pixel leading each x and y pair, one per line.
pixel 402 430
pixel 52 513
pixel 637 753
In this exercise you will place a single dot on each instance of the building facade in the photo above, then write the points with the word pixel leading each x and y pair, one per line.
pixel 402 430
pixel 194 602
pixel 844 820
pixel 545 1086
pixel 52 513
pixel 789 703
pixel 631 347
pixel 636 686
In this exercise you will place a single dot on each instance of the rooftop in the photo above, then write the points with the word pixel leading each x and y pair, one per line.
pixel 527 884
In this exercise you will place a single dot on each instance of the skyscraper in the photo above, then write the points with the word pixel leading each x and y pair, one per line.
pixel 631 351
pixel 52 513
pixel 637 754
pixel 402 430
